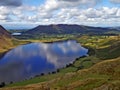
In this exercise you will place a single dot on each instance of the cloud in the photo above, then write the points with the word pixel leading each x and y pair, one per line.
pixel 10 3
pixel 61 11
pixel 115 1
pixel 74 15
pixel 51 7
pixel 78 16
pixel 90 2
pixel 4 13
pixel 80 3
pixel 69 0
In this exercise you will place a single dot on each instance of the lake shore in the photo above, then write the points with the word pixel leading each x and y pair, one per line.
pixel 23 42
pixel 45 42
pixel 95 56
pixel 17 42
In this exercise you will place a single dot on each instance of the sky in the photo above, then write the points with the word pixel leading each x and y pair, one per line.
pixel 30 13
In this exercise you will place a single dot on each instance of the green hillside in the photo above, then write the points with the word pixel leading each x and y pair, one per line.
pixel 104 75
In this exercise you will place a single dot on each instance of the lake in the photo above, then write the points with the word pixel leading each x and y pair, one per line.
pixel 27 61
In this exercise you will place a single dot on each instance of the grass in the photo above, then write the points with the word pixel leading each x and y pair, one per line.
pixel 65 81
pixel 36 80
pixel 68 69
pixel 5 44
pixel 88 79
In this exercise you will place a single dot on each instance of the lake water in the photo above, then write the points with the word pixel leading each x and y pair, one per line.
pixel 29 60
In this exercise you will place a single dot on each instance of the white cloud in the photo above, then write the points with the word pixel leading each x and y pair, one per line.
pixel 51 5
pixel 4 13
pixel 115 1
pixel 61 11
pixel 118 13
pixel 81 3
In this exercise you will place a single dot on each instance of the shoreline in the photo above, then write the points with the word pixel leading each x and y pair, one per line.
pixel 57 70
pixel 29 42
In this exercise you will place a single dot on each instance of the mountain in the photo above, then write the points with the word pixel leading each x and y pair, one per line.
pixel 4 32
pixel 117 28
pixel 5 39
pixel 67 29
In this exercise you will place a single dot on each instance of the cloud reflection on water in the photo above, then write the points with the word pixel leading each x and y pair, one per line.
pixel 32 59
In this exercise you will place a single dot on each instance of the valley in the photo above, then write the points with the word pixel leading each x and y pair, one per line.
pixel 59 44
pixel 101 65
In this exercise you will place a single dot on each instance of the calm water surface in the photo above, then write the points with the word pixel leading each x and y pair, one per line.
pixel 29 60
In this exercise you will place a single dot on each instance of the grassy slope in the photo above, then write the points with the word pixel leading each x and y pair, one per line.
pixel 102 48
pixel 104 75
pixel 9 43
pixel 5 43
pixel 5 39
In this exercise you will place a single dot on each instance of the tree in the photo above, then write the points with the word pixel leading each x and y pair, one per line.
pixel 2 84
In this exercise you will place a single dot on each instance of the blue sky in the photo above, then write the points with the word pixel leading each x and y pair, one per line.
pixel 33 2
pixel 107 3
pixel 30 13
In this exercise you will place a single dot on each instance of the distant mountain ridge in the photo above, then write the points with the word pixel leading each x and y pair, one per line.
pixel 67 29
